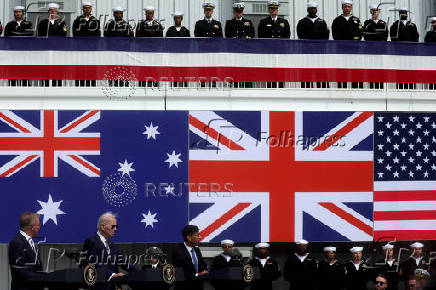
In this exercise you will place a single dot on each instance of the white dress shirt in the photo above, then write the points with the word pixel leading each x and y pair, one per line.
pixel 29 240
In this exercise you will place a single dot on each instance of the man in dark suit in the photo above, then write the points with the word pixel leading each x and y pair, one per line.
pixel 53 25
pixel 149 27
pixel 311 26
pixel 274 26
pixel 19 26
pixel 239 27
pixel 86 24
pixel 101 252
pixel 23 254
pixel 188 257
pixel 301 268
pixel 208 27
pixel 404 29
pixel 177 30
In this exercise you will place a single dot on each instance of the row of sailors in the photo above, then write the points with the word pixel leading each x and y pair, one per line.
pixel 303 271
pixel 344 27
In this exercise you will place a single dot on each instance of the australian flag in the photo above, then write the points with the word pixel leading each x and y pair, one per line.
pixel 72 166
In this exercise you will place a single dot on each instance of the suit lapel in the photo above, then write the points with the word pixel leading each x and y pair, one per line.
pixel 32 255
pixel 189 257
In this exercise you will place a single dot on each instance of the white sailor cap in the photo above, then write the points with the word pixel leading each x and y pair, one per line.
pixel 238 5
pixel 261 245
pixel 273 4
pixel 417 245
pixel 52 5
pixel 388 246
pixel 356 249
pixel 374 6
pixel 208 5
pixel 433 19
pixel 347 2
pixel 177 13
pixel 19 8
pixel 118 9
pixel 301 242
pixel 403 9
pixel 148 8
pixel 422 274
pixel 312 5
pixel 86 4
pixel 227 242
pixel 330 249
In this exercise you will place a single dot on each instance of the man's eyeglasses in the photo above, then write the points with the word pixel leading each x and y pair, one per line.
pixel 114 227
pixel 226 247
pixel 381 283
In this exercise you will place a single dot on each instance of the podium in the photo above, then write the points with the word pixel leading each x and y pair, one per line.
pixel 67 279
pixel 160 278
pixel 234 277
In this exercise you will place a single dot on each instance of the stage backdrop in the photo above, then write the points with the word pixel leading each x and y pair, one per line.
pixel 248 176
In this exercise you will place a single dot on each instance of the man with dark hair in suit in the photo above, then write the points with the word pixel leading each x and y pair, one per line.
pixel 23 254
pixel 188 257
pixel 101 252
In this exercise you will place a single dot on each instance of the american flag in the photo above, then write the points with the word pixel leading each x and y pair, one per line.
pixel 278 167
pixel 405 176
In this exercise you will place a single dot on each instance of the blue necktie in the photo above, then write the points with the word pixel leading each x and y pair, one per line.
pixel 194 259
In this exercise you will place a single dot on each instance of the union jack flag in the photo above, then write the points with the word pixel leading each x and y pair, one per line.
pixel 49 143
pixel 304 153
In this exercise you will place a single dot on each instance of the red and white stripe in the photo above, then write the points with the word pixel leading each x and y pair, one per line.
pixel 405 210
pixel 239 66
